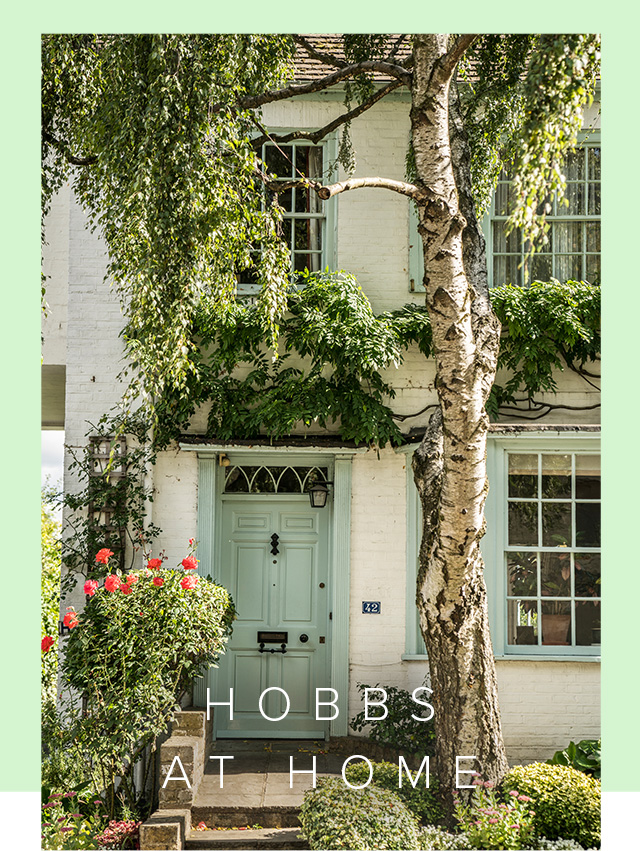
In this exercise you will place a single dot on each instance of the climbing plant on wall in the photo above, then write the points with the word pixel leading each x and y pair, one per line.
pixel 334 352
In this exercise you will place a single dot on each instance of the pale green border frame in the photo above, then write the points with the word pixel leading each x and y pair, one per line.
pixel 20 144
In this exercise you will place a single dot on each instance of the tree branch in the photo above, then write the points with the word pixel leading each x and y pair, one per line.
pixel 62 148
pixel 456 52
pixel 325 58
pixel 395 48
pixel 316 135
pixel 326 192
pixel 388 68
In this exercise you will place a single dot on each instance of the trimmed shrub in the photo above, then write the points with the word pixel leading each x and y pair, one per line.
pixel 421 801
pixel 334 816
pixel 437 839
pixel 566 801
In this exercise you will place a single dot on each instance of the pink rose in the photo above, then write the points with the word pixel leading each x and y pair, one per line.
pixel 189 582
pixel 112 582
pixel 132 578
pixel 90 587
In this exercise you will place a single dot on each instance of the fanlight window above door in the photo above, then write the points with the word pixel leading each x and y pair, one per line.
pixel 264 479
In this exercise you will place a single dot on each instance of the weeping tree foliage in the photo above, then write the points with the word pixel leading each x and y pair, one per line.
pixel 160 135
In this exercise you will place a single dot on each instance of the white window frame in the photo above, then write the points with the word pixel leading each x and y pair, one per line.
pixel 416 266
pixel 586 140
pixel 329 217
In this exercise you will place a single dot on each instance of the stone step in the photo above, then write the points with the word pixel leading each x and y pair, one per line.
pixel 240 816
pixel 271 838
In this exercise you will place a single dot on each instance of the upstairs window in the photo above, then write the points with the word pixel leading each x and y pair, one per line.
pixel 308 222
pixel 572 251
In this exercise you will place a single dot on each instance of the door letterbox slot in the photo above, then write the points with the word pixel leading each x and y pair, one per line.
pixel 273 637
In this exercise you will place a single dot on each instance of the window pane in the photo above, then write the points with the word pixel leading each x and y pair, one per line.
pixel 587 574
pixel 502 243
pixel 522 575
pixel 522 622
pixel 587 616
pixel 594 163
pixel 593 236
pixel 567 237
pixel 505 270
pixel 593 269
pixel 540 267
pixel 568 267
pixel 587 476
pixel 556 476
pixel 523 524
pixel 278 161
pixel 593 207
pixel 575 196
pixel 556 524
pixel 556 623
pixel 587 524
pixel 574 165
pixel 555 574
pixel 523 475
pixel 504 199
pixel 285 199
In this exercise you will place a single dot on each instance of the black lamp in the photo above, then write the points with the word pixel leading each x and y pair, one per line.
pixel 318 494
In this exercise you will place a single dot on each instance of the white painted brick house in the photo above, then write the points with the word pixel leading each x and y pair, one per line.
pixel 362 547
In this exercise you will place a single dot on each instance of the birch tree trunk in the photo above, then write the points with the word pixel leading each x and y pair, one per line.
pixel 450 464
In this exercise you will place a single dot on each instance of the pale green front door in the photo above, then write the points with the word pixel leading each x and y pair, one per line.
pixel 280 589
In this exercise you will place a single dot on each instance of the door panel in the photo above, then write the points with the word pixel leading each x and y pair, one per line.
pixel 274 592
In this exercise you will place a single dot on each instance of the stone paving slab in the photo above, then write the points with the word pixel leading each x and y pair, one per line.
pixel 258 776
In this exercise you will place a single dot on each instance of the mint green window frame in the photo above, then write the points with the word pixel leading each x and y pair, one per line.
pixel 495 545
pixel 326 218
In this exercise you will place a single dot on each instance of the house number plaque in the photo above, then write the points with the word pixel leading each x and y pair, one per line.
pixel 370 607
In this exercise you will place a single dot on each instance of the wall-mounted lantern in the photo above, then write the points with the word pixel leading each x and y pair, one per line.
pixel 318 494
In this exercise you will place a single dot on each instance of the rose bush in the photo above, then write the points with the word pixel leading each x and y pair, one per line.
pixel 132 654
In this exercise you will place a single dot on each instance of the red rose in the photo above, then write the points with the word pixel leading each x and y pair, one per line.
pixel 90 587
pixel 103 556
pixel 112 582
pixel 132 578
pixel 70 619
pixel 126 589
pixel 190 563
pixel 47 643
pixel 158 581
pixel 191 542
pixel 189 582
pixel 154 563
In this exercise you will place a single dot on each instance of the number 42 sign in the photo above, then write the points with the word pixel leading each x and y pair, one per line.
pixel 370 607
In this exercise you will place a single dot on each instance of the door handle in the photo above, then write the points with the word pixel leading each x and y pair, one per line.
pixel 274 544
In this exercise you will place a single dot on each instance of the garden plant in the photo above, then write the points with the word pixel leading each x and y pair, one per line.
pixel 128 660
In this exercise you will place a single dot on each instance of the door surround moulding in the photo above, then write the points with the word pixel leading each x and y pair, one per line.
pixel 209 492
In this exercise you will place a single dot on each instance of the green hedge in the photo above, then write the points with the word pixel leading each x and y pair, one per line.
pixel 421 801
pixel 334 816
pixel 566 801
